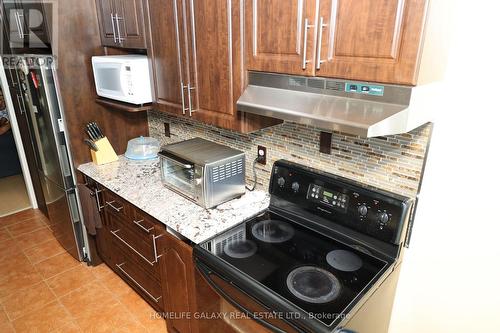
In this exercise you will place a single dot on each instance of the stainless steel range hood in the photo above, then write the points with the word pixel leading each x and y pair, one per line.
pixel 357 108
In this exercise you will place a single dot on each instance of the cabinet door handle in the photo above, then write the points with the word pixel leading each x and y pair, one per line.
pixel 115 233
pixel 96 194
pixel 156 299
pixel 155 249
pixel 183 96
pixel 322 25
pixel 189 100
pixel 110 204
pixel 138 223
pixel 20 31
pixel 120 38
pixel 114 29
pixel 306 30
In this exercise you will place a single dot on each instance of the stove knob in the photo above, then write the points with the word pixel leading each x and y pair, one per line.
pixel 281 181
pixel 295 187
pixel 363 210
pixel 383 218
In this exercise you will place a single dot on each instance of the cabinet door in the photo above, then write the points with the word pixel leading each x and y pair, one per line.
pixel 107 27
pixel 371 40
pixel 214 57
pixel 27 27
pixel 178 283
pixel 130 23
pixel 280 35
pixel 167 56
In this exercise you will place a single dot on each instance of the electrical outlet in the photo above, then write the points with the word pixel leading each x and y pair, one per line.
pixel 262 155
pixel 167 130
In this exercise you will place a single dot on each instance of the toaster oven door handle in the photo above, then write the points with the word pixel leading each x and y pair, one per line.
pixel 183 165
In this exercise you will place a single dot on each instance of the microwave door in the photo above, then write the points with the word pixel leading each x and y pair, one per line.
pixel 109 79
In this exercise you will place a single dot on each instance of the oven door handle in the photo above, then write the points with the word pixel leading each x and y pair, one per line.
pixel 205 272
pixel 183 164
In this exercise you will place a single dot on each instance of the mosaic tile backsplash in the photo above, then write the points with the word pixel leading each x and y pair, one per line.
pixel 393 163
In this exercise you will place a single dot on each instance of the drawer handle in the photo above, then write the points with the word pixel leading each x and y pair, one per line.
pixel 115 233
pixel 110 204
pixel 138 223
pixel 156 299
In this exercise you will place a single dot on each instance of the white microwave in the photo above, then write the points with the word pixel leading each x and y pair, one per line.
pixel 123 78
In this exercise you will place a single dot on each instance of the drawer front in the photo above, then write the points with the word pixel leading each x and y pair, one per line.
pixel 140 280
pixel 116 206
pixel 137 247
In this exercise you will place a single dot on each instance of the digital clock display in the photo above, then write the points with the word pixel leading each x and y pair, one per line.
pixel 334 199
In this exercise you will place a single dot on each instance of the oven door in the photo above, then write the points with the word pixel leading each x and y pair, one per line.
pixel 225 308
pixel 182 176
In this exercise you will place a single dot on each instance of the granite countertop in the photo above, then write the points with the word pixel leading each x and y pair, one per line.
pixel 139 182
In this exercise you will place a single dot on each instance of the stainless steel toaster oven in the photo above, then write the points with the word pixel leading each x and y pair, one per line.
pixel 203 171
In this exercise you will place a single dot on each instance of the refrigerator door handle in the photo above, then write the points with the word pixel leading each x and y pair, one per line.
pixel 22 109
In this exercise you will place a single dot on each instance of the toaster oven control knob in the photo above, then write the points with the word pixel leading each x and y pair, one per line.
pixel 281 181
pixel 363 210
pixel 295 187
pixel 383 218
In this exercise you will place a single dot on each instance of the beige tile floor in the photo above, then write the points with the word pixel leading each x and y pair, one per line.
pixel 13 195
pixel 43 289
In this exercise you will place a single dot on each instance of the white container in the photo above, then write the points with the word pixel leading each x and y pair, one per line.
pixel 142 148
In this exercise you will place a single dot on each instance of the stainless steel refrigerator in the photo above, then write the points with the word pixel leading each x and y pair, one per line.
pixel 40 104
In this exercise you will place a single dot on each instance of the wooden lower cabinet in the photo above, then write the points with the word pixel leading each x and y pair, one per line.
pixel 177 274
pixel 153 262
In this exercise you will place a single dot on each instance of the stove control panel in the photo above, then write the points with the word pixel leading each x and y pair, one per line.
pixel 339 200
pixel 327 197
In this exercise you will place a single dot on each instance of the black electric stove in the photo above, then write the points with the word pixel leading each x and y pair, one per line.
pixel 321 246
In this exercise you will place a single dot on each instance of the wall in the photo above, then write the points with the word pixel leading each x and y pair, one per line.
pixel 78 38
pixel 393 163
pixel 450 277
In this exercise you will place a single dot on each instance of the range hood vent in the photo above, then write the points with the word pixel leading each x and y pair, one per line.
pixel 357 108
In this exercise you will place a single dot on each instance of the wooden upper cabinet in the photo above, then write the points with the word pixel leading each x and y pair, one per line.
pixel 280 35
pixel 367 40
pixel 121 23
pixel 196 48
pixel 130 23
pixel 105 13
pixel 167 57
pixel 211 49
pixel 371 40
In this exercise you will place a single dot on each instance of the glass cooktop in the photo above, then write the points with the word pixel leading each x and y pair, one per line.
pixel 320 275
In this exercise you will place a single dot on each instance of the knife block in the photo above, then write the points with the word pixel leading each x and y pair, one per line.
pixel 105 154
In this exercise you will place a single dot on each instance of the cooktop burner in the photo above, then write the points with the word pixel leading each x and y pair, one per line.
pixel 313 284
pixel 240 249
pixel 343 260
pixel 273 231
